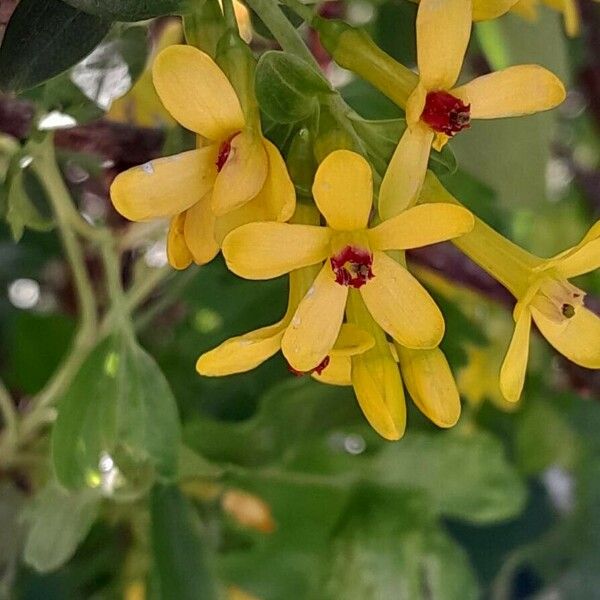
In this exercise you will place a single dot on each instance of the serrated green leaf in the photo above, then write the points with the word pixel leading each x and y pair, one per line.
pixel 130 10
pixel 180 554
pixel 119 406
pixel 390 547
pixel 58 522
pixel 465 475
pixel 24 196
pixel 44 38
pixel 287 88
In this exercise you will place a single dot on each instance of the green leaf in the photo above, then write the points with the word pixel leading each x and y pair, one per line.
pixel 390 547
pixel 44 38
pixel 117 425
pixel 554 444
pixel 58 522
pixel 465 475
pixel 25 198
pixel 287 88
pixel 130 10
pixel 180 554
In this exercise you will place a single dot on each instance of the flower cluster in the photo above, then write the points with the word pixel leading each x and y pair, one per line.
pixel 356 314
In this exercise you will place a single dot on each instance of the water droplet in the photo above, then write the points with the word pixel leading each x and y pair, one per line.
pixel 24 293
pixel 25 161
pixel 296 322
pixel 106 463
pixel 311 291
pixel 246 343
pixel 156 255
pixel 354 444
pixel 56 120
pixel 148 168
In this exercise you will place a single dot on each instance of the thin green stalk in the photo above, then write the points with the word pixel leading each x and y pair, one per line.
pixel 46 168
pixel 283 31
pixel 9 417
pixel 229 14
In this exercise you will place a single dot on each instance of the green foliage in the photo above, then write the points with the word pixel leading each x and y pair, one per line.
pixel 287 88
pixel 388 546
pixel 119 406
pixel 58 521
pixel 25 195
pixel 43 39
pixel 181 559
pixel 130 10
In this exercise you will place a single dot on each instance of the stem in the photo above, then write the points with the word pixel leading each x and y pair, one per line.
pixel 229 14
pixel 45 166
pixel 283 31
pixel 9 417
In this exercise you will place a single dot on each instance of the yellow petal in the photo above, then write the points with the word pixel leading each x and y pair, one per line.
pixel 337 372
pixel 443 31
pixel 570 14
pixel 415 105
pixel 404 177
pixel 196 92
pixel 378 388
pixel 316 324
pixel 267 250
pixel 577 338
pixel 352 340
pixel 165 186
pixel 343 190
pixel 490 9
pixel 420 226
pixel 520 90
pixel 276 200
pixel 243 175
pixel 199 231
pixel 242 353
pixel 514 367
pixel 178 253
pixel 431 385
pixel 582 258
pixel 401 305
pixel 585 260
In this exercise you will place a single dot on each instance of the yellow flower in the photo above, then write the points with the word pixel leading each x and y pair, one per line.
pixel 245 352
pixel 236 176
pixel 542 290
pixel 436 110
pixel 528 9
pixel 556 306
pixel 355 257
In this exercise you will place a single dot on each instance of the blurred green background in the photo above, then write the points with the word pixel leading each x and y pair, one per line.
pixel 505 506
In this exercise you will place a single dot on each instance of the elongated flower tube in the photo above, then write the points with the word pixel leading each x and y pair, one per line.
pixel 542 291
pixel 236 176
pixel 355 257
pixel 436 110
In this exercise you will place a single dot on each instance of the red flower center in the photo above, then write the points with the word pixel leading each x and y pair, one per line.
pixel 224 152
pixel 318 369
pixel 352 266
pixel 445 113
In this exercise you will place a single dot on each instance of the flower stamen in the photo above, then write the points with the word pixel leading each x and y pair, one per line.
pixel 318 369
pixel 352 266
pixel 445 113
pixel 224 153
